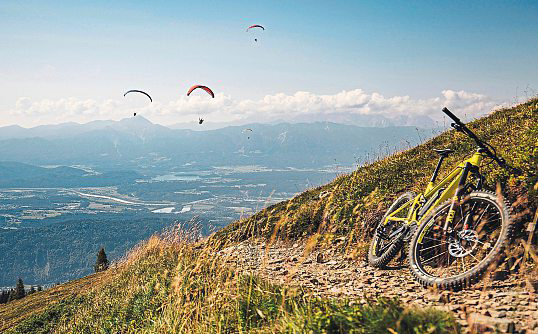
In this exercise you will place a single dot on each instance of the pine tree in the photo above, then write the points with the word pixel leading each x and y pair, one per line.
pixel 102 262
pixel 32 290
pixel 19 289
pixel 39 288
pixel 4 297
pixel 11 295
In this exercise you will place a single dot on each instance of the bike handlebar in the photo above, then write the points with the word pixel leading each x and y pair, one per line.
pixel 451 115
pixel 460 126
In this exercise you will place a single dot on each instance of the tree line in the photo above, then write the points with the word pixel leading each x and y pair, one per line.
pixel 18 292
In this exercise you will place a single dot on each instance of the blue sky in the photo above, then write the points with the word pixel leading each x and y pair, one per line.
pixel 94 51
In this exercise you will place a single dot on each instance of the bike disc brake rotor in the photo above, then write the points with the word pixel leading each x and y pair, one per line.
pixel 464 244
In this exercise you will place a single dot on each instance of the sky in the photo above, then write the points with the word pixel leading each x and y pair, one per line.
pixel 63 61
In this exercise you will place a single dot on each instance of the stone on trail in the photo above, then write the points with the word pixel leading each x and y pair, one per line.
pixel 483 324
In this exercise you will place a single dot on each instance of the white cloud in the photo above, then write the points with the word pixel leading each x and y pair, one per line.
pixel 301 106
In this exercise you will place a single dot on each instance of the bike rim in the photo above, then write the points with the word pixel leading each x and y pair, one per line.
pixel 473 236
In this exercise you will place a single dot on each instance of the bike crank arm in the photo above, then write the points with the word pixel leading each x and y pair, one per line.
pixel 393 237
pixel 384 236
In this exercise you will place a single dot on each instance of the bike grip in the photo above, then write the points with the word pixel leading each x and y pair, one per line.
pixel 451 115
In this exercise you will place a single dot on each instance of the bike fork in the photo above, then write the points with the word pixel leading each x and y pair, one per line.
pixel 456 198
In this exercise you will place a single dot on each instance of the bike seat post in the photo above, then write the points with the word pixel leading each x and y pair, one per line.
pixel 436 171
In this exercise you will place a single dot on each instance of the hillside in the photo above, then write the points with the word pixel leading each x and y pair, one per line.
pixel 166 287
pixel 354 203
pixel 249 276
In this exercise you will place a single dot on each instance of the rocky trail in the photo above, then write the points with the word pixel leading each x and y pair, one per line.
pixel 504 303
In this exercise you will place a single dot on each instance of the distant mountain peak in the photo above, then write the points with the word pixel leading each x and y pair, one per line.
pixel 138 119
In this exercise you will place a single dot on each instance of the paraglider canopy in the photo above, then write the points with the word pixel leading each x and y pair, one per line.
pixel 138 91
pixel 207 89
pixel 255 26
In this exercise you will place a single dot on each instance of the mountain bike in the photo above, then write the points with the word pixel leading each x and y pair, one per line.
pixel 455 229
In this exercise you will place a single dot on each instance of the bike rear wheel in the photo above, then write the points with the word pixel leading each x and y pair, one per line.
pixel 457 257
pixel 388 239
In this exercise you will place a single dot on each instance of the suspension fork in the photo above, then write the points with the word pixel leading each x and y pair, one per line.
pixel 457 197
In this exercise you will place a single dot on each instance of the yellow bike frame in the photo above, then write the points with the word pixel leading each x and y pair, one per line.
pixel 452 181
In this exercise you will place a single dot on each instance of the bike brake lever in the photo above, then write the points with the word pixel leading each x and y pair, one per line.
pixel 457 127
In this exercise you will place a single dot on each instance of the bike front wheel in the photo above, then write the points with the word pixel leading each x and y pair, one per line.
pixel 456 256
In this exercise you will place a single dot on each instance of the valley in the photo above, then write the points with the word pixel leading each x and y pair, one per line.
pixel 51 234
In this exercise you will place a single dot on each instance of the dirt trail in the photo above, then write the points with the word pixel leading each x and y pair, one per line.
pixel 506 304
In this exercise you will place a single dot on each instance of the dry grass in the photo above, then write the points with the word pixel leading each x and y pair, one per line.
pixel 166 286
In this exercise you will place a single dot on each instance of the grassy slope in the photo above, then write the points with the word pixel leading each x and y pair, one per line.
pixel 356 202
pixel 169 287
pixel 175 287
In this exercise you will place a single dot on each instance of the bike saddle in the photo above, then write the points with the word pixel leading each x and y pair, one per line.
pixel 444 152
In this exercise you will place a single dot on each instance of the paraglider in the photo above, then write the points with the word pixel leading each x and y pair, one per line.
pixel 247 131
pixel 255 26
pixel 138 91
pixel 207 89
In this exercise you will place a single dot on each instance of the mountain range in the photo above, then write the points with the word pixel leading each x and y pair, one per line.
pixel 134 141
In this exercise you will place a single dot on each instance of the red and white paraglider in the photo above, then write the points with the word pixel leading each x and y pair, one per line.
pixel 202 87
pixel 255 26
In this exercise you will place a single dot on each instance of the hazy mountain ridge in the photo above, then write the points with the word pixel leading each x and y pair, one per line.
pixel 121 142
pixel 361 120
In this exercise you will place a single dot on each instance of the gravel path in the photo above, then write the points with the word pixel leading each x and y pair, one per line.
pixel 505 304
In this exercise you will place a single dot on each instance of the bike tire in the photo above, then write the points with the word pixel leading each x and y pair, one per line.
pixel 474 274
pixel 381 260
